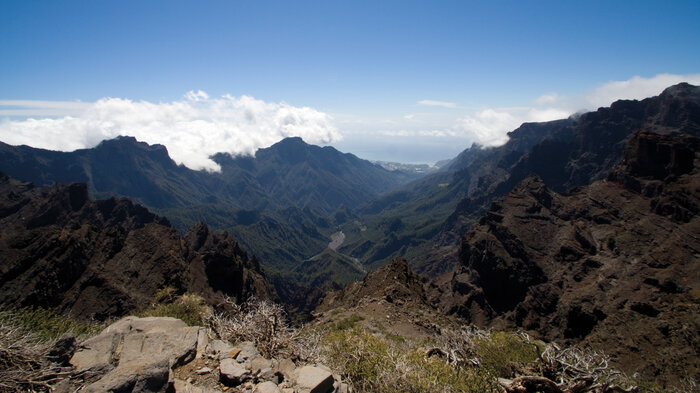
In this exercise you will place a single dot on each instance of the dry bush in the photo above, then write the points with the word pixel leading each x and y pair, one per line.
pixel 572 370
pixel 260 321
pixel 23 367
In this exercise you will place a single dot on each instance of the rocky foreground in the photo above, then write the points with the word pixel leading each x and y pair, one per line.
pixel 165 355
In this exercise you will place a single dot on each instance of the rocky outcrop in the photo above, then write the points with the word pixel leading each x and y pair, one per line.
pixel 395 282
pixel 393 294
pixel 149 355
pixel 105 258
pixel 613 265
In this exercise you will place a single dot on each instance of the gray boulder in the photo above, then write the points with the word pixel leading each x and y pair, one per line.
pixel 141 353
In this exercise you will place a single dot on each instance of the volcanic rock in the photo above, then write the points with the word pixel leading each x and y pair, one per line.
pixel 614 265
pixel 105 258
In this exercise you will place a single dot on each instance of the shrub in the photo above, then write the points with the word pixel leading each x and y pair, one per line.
pixel 167 294
pixel 610 243
pixel 375 363
pixel 260 321
pixel 504 353
pixel 189 307
pixel 347 323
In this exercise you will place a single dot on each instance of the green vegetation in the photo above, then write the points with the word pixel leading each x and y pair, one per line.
pixel 610 243
pixel 375 363
pixel 45 325
pixel 503 353
pixel 189 307
pixel 347 323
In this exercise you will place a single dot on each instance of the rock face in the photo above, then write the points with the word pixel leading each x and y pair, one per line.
pixel 99 259
pixel 139 354
pixel 615 265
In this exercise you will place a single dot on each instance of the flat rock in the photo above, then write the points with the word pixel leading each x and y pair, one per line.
pixel 260 363
pixel 136 377
pixel 314 379
pixel 138 353
pixel 203 370
pixel 132 338
pixel 232 373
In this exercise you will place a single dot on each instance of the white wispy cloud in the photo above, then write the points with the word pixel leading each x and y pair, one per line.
pixel 443 104
pixel 546 99
pixel 26 108
pixel 635 88
pixel 193 129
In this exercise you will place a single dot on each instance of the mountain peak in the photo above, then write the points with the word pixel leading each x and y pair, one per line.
pixel 683 89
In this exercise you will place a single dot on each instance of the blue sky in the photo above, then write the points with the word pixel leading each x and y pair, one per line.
pixel 398 80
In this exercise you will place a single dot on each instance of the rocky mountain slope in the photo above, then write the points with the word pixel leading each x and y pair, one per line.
pixel 105 258
pixel 614 265
pixel 438 209
pixel 392 294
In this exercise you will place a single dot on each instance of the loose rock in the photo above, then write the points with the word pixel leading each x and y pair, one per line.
pixel 266 387
pixel 232 373
pixel 315 379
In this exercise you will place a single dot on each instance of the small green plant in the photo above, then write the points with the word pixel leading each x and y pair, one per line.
pixel 347 323
pixel 189 307
pixel 361 356
pixel 610 243
pixel 504 352
pixel 167 294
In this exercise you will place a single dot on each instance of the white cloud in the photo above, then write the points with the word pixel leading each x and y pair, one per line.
pixel 488 127
pixel 545 99
pixel 443 104
pixel 199 95
pixel 192 129
pixel 636 88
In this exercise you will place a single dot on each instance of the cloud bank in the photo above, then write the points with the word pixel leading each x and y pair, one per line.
pixel 192 129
